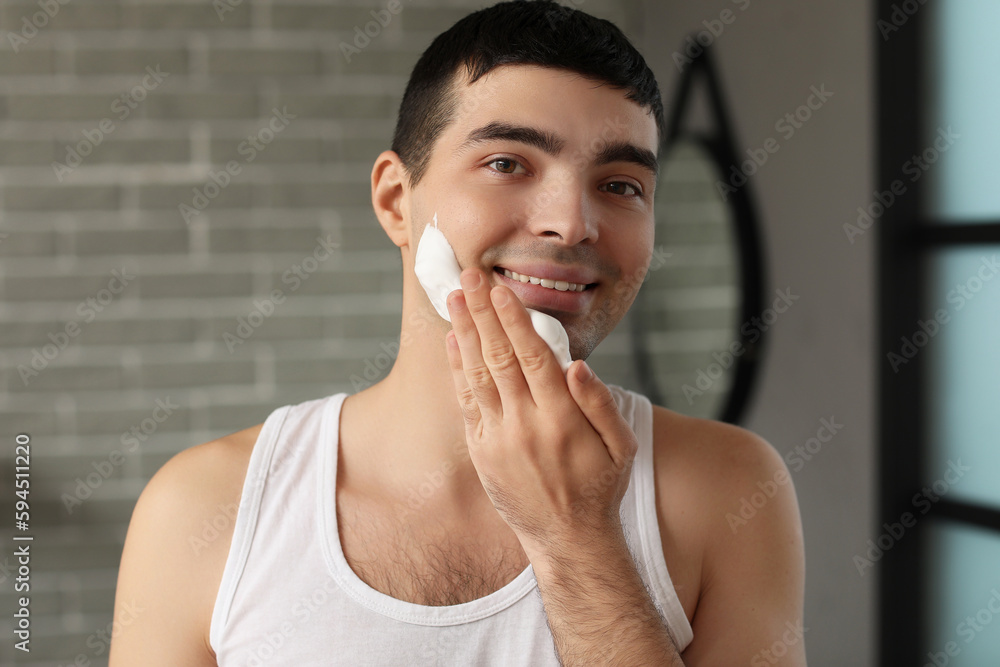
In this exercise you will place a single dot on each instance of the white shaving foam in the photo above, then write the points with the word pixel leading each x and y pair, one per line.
pixel 438 271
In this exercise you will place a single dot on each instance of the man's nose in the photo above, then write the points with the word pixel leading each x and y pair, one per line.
pixel 567 214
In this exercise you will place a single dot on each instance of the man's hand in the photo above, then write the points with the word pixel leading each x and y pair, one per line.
pixel 553 453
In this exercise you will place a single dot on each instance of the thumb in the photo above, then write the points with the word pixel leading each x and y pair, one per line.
pixel 599 407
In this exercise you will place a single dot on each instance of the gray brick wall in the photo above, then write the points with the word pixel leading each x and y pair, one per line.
pixel 114 306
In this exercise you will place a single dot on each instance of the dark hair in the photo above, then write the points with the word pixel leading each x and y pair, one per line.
pixel 536 32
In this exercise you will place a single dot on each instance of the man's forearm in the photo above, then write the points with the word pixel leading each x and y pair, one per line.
pixel 598 609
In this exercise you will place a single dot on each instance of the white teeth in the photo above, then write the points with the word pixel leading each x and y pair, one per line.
pixel 560 285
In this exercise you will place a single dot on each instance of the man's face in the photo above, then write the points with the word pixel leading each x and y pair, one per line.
pixel 548 175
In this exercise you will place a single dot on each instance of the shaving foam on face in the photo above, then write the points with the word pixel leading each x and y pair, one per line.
pixel 438 271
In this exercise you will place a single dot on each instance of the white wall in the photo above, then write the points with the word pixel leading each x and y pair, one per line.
pixel 820 360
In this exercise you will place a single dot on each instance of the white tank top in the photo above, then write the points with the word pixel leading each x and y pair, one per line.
pixel 288 596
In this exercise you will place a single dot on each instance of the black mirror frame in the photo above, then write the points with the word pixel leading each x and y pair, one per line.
pixel 721 147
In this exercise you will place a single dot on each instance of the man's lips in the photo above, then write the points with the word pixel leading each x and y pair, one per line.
pixel 553 272
pixel 546 298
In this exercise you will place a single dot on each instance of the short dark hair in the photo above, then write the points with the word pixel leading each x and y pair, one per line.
pixel 534 32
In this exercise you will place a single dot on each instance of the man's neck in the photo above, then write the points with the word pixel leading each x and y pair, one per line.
pixel 403 439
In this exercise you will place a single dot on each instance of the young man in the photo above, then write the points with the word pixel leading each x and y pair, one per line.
pixel 558 520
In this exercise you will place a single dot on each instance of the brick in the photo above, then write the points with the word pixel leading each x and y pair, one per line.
pixel 26 152
pixel 697 232
pixel 143 331
pixel 265 239
pixel 203 106
pixel 431 19
pixel 89 108
pixel 171 196
pixel 341 105
pixel 362 326
pixel 314 370
pixel 132 242
pixel 365 238
pixel 321 283
pixel 282 150
pixel 61 197
pixel 72 289
pixel 60 376
pixel 264 62
pixel 38 424
pixel 230 418
pixel 21 243
pixel 27 60
pixel 361 150
pixel 675 319
pixel 692 276
pixel 131 61
pixel 195 285
pixel 135 151
pixel 207 373
pixel 320 17
pixel 121 420
pixel 296 194
pixel 71 16
pixel 374 59
pixel 176 16
pixel 276 327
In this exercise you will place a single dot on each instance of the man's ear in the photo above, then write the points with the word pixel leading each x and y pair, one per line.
pixel 388 197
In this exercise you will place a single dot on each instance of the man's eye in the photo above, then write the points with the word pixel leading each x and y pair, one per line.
pixel 623 184
pixel 509 162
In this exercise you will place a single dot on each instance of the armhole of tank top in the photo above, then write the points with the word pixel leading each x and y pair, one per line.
pixel 649 533
pixel 246 521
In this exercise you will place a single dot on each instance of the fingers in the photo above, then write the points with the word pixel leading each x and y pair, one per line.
pixel 537 363
pixel 466 398
pixel 490 361
pixel 600 408
pixel 477 373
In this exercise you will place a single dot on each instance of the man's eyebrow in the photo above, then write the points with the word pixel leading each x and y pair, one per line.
pixel 622 151
pixel 552 144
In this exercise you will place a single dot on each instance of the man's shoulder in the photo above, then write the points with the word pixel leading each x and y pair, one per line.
pixel 709 468
pixel 714 447
pixel 223 462
pixel 176 549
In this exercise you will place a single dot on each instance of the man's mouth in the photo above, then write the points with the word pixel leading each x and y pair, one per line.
pixel 549 295
pixel 558 285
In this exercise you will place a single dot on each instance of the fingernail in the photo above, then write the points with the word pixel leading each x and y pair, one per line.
pixel 584 374
pixel 500 297
pixel 471 281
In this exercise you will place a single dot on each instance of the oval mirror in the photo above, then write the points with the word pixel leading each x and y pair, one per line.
pixel 686 317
